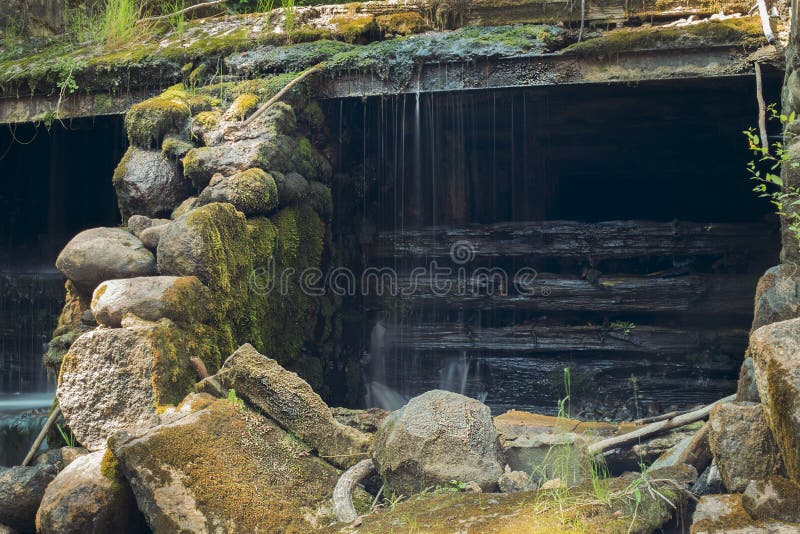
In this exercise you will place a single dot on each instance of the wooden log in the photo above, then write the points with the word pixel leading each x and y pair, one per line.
pixel 563 338
pixel 343 492
pixel 694 294
pixel 571 239
pixel 655 428
pixel 42 434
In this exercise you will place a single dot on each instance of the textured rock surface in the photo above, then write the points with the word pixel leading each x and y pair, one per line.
pixel 777 296
pixel 773 498
pixel 291 187
pixel 104 254
pixel 89 496
pixel 139 223
pixel 151 236
pixel 253 192
pixel 225 469
pixel 109 381
pixel 742 443
pixel 21 491
pixel 151 298
pixel 724 514
pixel 147 183
pixel 290 401
pixel 746 389
pixel 775 350
pixel 514 481
pixel 437 437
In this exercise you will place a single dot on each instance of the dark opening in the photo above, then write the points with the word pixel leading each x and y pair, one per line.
pixel 55 183
pixel 520 176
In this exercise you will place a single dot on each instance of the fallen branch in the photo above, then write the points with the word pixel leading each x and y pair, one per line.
pixel 343 492
pixel 40 438
pixel 260 111
pixel 656 428
pixel 762 111
pixel 182 11
pixel 663 417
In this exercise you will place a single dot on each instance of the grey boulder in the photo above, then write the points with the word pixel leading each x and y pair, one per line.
pixel 21 491
pixel 148 183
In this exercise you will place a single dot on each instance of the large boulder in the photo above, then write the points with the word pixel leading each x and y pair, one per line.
pixel 115 378
pixel 773 498
pixel 437 437
pixel 289 400
pixel 148 183
pixel 89 496
pixel 21 491
pixel 253 192
pixel 180 298
pixel 775 350
pixel 224 468
pixel 292 187
pixel 742 444
pixel 104 254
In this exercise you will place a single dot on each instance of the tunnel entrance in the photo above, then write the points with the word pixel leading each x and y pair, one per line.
pixel 55 182
pixel 608 229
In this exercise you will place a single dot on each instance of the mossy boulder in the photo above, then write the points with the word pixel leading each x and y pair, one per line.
pixel 104 254
pixel 724 514
pixel 437 437
pixel 289 400
pixel 242 107
pixel 775 349
pixel 773 498
pixel 152 298
pixel 85 497
pixel 402 23
pixel 148 183
pixel 225 468
pixel 253 192
pixel 148 122
pixel 292 187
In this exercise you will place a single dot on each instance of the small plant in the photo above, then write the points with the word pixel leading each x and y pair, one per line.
pixel 83 27
pixel 626 327
pixel 233 399
pixel 69 438
pixel 119 23
pixel 177 19
pixel 289 13
pixel 265 6
pixel 763 170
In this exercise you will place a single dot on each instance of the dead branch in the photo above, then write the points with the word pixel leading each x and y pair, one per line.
pixel 663 417
pixel 182 11
pixel 343 492
pixel 763 12
pixel 40 438
pixel 260 111
pixel 762 110
pixel 656 428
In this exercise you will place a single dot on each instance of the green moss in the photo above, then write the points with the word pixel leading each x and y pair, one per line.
pixel 208 120
pixel 243 106
pixel 148 122
pixel 175 147
pixel 109 466
pixel 402 23
pixel 355 28
pixel 745 31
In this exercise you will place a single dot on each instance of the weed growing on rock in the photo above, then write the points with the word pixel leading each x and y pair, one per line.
pixel 120 21
pixel 233 399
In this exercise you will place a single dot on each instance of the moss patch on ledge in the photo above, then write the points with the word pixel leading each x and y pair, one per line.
pixel 744 31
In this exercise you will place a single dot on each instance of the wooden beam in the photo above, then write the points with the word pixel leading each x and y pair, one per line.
pixel 571 239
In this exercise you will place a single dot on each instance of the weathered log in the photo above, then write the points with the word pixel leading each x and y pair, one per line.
pixel 564 338
pixel 655 428
pixel 695 294
pixel 269 103
pixel 571 239
pixel 343 492
pixel 42 434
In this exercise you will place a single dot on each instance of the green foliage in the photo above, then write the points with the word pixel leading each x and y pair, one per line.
pixel 83 27
pixel 626 327
pixel 119 23
pixel 233 399
pixel 765 169
pixel 68 437
pixel 289 13
pixel 173 8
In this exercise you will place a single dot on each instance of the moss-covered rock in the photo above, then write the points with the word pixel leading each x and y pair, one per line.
pixel 253 192
pixel 243 106
pixel 148 122
pixel 225 468
pixel 402 23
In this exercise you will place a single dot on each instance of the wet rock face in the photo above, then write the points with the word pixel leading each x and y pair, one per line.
pixel 21 491
pixel 773 498
pixel 775 349
pixel 101 254
pixel 742 443
pixel 147 183
pixel 437 437
pixel 224 468
pixel 289 400
pixel 89 495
